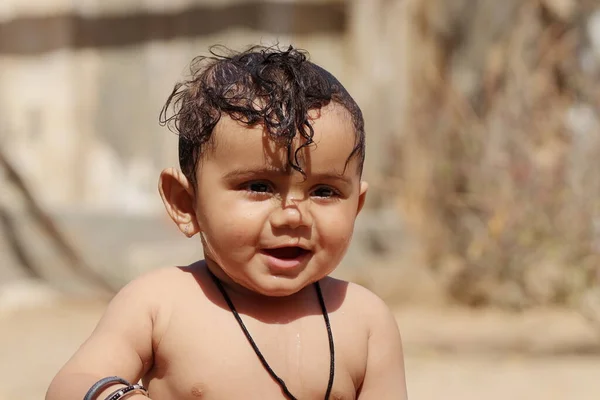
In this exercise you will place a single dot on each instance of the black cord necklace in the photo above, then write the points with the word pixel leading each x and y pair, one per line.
pixel 259 354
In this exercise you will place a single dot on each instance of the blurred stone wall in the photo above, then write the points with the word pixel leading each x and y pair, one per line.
pixel 82 84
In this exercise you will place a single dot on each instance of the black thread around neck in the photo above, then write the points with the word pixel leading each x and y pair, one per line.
pixel 257 350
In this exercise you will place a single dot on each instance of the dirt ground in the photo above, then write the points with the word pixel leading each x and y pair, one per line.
pixel 450 353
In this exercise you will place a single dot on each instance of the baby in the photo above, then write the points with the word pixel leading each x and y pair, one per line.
pixel 271 150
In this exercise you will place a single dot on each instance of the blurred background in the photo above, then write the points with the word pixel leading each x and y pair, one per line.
pixel 482 229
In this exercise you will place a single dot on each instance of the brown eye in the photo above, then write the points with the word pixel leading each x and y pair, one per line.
pixel 258 187
pixel 325 192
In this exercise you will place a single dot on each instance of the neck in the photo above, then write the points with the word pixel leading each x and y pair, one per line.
pixel 239 291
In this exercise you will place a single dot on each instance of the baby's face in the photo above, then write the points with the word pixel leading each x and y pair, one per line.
pixel 267 227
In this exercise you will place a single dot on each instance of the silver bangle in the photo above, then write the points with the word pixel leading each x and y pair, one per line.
pixel 127 391
pixel 103 384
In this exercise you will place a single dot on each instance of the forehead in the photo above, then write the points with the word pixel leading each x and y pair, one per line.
pixel 237 146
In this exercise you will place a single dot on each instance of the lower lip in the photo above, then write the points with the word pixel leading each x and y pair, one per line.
pixel 275 263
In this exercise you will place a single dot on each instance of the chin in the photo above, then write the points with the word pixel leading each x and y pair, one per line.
pixel 283 288
pixel 280 294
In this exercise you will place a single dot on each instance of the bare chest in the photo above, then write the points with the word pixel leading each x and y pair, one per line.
pixel 211 358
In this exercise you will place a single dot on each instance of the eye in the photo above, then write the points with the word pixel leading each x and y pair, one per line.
pixel 258 187
pixel 325 192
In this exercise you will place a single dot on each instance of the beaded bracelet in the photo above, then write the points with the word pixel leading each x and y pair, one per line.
pixel 103 384
pixel 127 391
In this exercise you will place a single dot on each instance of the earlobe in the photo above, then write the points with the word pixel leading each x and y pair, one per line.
pixel 362 196
pixel 178 198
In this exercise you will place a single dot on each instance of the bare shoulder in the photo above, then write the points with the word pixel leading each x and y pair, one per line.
pixel 151 298
pixel 131 327
pixel 161 281
pixel 153 292
pixel 359 301
pixel 384 362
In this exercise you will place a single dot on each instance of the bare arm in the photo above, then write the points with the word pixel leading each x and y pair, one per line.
pixel 121 345
pixel 384 378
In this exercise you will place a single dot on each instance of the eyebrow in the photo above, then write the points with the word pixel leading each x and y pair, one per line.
pixel 246 172
pixel 249 172
pixel 334 177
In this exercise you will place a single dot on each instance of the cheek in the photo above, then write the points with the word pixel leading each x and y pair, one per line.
pixel 335 230
pixel 232 222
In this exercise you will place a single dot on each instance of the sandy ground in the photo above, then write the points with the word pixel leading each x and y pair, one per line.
pixel 450 354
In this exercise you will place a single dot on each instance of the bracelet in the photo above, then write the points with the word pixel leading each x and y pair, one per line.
pixel 127 391
pixel 103 384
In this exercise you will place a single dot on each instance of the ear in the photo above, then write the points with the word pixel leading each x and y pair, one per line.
pixel 362 196
pixel 178 197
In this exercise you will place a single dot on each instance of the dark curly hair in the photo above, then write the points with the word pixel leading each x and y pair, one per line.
pixel 262 85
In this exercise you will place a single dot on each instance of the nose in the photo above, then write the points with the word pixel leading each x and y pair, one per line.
pixel 292 213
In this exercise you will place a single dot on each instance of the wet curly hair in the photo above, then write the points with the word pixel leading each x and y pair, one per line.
pixel 262 85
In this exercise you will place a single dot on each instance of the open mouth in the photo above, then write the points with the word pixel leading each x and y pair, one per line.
pixel 286 253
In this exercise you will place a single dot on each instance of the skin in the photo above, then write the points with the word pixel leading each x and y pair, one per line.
pixel 172 328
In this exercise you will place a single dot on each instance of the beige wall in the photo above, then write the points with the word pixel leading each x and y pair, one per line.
pixel 82 124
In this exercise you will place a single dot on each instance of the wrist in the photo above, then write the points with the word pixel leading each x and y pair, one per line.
pixel 134 396
pixel 135 390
